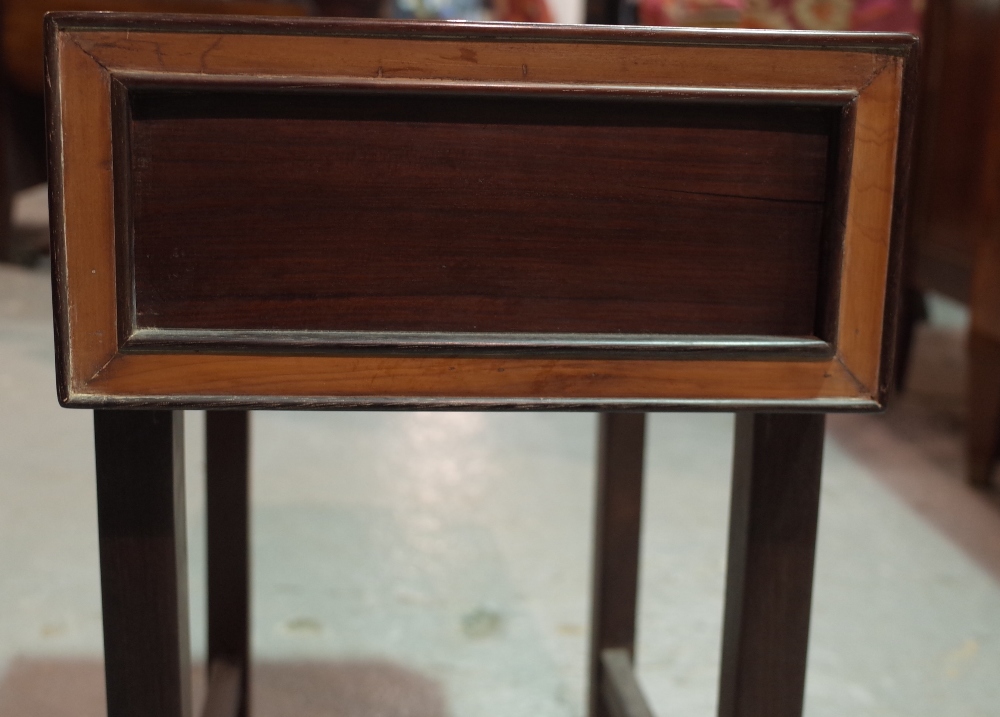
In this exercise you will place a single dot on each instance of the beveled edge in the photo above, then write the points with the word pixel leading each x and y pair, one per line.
pixel 884 42
pixel 481 344
pixel 135 339
pixel 900 214
pixel 395 403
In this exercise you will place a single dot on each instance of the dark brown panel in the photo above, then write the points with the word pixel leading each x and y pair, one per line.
pixel 376 213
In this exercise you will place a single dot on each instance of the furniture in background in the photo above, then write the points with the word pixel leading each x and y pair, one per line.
pixel 829 15
pixel 472 217
pixel 22 126
pixel 22 113
pixel 955 225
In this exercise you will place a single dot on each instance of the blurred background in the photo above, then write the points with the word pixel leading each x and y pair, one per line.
pixel 437 564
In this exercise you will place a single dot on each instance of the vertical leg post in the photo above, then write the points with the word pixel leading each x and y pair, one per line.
pixel 772 540
pixel 140 506
pixel 983 409
pixel 618 513
pixel 227 508
pixel 912 310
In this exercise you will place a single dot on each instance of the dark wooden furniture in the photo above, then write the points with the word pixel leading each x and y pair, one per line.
pixel 955 247
pixel 478 217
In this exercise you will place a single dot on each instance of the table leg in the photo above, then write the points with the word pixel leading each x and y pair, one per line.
pixel 227 442
pixel 140 507
pixel 772 539
pixel 983 407
pixel 618 513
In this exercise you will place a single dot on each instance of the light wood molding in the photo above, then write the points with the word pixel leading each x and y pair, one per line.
pixel 90 55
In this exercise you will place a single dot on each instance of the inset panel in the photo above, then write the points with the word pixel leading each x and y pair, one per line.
pixel 401 212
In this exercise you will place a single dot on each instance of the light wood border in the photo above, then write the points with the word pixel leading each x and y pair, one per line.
pixel 87 50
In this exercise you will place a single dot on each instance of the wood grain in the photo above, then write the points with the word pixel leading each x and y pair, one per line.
pixel 552 63
pixel 398 378
pixel 397 51
pixel 617 527
pixel 480 214
pixel 869 228
pixel 140 511
pixel 87 268
pixel 772 538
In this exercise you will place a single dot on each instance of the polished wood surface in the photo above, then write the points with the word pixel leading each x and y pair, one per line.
pixel 772 539
pixel 617 526
pixel 227 527
pixel 140 510
pixel 110 353
pixel 417 213
pixel 299 214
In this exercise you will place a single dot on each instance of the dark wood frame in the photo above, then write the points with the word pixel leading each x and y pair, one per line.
pixel 106 362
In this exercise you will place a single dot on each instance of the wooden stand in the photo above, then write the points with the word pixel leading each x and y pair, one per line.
pixel 776 471
pixel 772 540
pixel 617 220
pixel 143 545
pixel 140 481
pixel 227 504
pixel 618 514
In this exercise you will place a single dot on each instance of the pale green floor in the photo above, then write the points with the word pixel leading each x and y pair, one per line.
pixel 424 565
